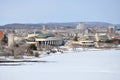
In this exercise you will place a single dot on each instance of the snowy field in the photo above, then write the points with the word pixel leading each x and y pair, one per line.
pixel 79 65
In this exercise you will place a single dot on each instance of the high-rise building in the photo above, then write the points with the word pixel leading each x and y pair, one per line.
pixel 43 27
pixel 81 26
pixel 111 29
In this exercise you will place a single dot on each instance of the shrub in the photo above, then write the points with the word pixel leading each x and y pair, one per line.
pixel 111 41
pixel 33 47
pixel 75 38
pixel 16 45
pixel 31 53
pixel 5 39
pixel 36 54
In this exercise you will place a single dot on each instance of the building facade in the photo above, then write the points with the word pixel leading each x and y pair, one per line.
pixel 44 40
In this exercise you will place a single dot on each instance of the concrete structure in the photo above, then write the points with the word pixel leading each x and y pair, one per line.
pixel 111 29
pixel 101 36
pixel 45 40
pixel 43 28
pixel 33 34
pixel 10 40
pixel 84 43
pixel 87 43
pixel 80 26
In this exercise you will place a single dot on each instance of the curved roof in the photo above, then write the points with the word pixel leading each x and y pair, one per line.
pixel 31 39
pixel 37 32
pixel 45 35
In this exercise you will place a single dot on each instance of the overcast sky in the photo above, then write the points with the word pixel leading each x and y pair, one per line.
pixel 44 11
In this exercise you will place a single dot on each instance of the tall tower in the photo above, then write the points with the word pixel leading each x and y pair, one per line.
pixel 80 26
pixel 10 40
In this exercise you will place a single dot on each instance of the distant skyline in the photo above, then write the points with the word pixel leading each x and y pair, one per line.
pixel 45 11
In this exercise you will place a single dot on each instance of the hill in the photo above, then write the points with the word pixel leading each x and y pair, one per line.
pixel 50 25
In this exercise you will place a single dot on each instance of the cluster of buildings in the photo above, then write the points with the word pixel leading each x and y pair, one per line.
pixel 44 40
pixel 47 39
pixel 92 36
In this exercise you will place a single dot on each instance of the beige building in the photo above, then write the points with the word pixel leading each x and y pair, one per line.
pixel 42 40
pixel 10 40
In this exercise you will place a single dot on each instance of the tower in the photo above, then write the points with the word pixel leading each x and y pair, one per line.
pixel 80 26
pixel 10 40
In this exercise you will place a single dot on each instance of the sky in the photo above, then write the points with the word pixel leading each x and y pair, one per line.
pixel 45 11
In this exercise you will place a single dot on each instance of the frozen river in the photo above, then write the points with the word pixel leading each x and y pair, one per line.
pixel 82 65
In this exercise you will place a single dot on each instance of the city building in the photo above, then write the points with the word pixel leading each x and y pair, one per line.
pixel 42 40
pixel 10 40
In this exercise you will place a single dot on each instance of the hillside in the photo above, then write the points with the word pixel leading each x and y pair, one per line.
pixel 69 24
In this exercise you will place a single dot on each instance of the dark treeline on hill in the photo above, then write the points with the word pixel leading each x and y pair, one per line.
pixel 67 25
pixel 115 41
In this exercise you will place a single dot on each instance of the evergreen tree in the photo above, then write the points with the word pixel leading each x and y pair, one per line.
pixel 5 39
pixel 75 38
pixel 32 47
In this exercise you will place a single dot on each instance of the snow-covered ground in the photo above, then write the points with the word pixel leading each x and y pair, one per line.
pixel 79 65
